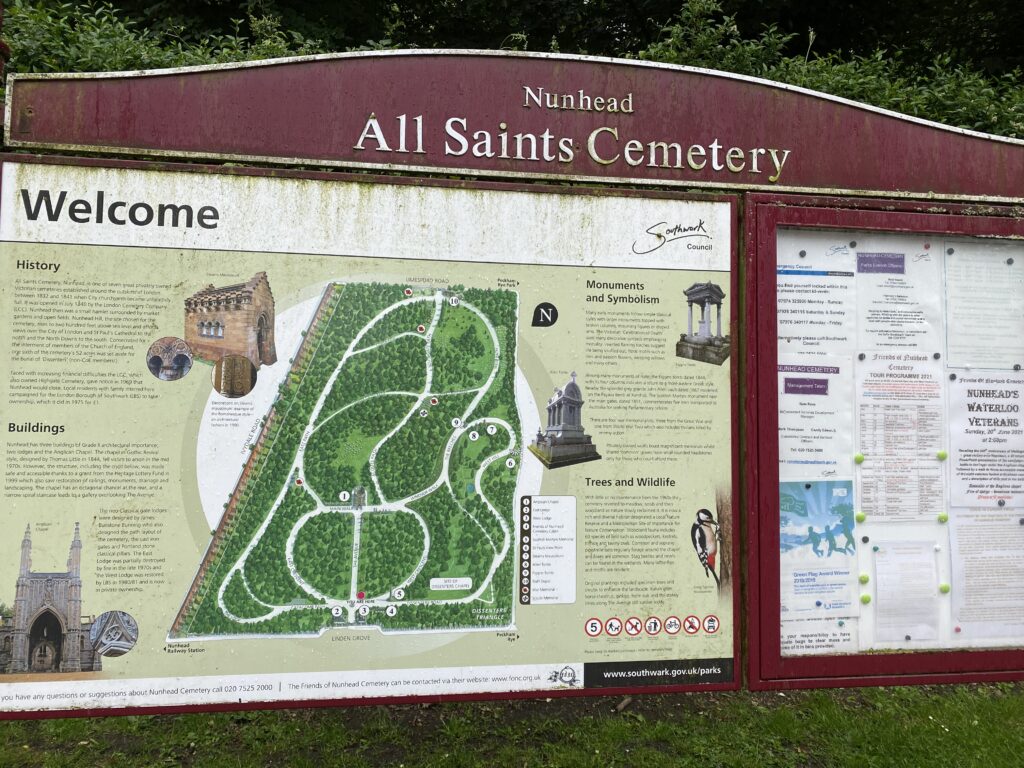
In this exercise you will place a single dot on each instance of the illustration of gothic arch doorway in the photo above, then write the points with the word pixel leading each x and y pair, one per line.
pixel 45 643
pixel 169 358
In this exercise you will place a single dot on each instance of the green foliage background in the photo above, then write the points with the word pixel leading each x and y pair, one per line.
pixel 954 63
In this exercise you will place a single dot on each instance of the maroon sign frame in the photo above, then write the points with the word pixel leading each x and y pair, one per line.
pixel 526 115
pixel 766 667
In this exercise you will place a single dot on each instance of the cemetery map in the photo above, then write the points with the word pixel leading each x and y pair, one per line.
pixel 380 490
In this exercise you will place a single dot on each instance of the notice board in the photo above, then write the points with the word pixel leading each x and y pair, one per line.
pixel 305 438
pixel 895 487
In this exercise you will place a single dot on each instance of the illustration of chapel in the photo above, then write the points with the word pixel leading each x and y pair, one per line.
pixel 564 442
pixel 707 345
pixel 47 632
pixel 232 320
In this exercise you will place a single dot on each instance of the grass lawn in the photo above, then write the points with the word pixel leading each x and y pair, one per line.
pixel 863 728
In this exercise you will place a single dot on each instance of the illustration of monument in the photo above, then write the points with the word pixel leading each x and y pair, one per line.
pixel 564 442
pixel 704 346
pixel 232 320
pixel 47 632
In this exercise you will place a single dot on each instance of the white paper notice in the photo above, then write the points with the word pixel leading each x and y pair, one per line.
pixel 898 290
pixel 986 432
pixel 815 293
pixel 985 304
pixel 808 637
pixel 988 575
pixel 900 419
pixel 815 415
pixel 906 592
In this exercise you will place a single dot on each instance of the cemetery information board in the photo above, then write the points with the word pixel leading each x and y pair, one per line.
pixel 901 441
pixel 288 439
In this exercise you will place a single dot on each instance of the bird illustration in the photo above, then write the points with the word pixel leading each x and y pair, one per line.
pixel 705 535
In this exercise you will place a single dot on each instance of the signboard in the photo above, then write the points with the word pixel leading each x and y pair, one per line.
pixel 285 436
pixel 310 438
pixel 503 114
pixel 900 449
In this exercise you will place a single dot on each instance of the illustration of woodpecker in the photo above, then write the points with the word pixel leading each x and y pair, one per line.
pixel 706 536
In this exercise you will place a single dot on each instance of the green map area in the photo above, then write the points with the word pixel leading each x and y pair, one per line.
pixel 381 490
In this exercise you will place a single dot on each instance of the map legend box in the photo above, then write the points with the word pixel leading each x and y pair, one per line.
pixel 547 548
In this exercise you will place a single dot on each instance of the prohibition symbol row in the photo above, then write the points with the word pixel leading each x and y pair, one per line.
pixel 634 626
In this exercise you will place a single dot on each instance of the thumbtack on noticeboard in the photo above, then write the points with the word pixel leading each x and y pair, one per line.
pixel 874 548
pixel 858 458
pixel 864 578
pixel 941 455
pixel 943 517
pixel 944 588
pixel 865 599
pixel 860 517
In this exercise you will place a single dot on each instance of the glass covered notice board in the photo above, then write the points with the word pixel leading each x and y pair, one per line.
pixel 888 511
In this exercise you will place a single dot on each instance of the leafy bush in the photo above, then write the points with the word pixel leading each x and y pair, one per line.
pixel 94 37
pixel 939 90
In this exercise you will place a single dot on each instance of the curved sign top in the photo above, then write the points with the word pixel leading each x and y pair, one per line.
pixel 513 115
